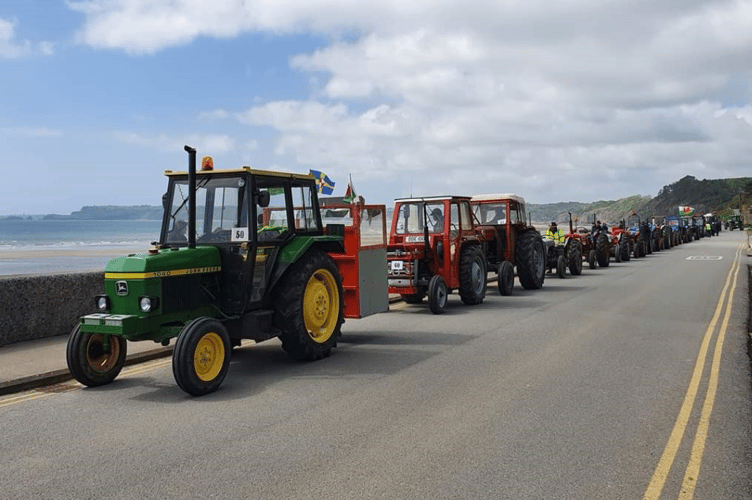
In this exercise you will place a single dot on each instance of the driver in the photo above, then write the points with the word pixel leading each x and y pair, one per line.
pixel 177 235
pixel 438 219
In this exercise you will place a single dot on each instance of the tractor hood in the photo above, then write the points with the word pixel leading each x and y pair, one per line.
pixel 182 260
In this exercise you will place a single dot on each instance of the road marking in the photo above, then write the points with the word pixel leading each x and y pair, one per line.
pixel 698 447
pixel 22 398
pixel 704 257
pixel 669 452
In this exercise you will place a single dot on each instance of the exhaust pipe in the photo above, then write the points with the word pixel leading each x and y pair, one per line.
pixel 191 196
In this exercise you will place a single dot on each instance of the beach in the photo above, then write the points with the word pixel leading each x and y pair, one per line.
pixel 49 260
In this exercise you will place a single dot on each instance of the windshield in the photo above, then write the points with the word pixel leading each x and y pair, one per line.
pixel 410 218
pixel 219 209
pixel 491 213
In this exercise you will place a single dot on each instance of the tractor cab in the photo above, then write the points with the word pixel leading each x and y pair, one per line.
pixel 433 249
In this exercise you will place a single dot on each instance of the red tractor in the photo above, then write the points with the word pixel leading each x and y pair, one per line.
pixel 434 248
pixel 509 241
pixel 596 243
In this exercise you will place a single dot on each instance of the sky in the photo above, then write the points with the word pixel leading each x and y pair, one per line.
pixel 577 100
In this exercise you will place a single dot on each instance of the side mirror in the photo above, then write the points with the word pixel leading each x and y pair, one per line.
pixel 263 198
pixel 164 201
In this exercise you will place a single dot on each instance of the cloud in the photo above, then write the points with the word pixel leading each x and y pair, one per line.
pixel 214 143
pixel 10 48
pixel 591 99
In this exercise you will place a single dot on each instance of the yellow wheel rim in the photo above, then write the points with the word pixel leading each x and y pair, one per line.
pixel 209 356
pixel 99 359
pixel 321 306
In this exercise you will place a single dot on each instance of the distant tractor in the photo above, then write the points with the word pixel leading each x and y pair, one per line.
pixel 735 221
pixel 586 243
pixel 434 248
pixel 640 237
pixel 622 247
pixel 507 238
pixel 242 254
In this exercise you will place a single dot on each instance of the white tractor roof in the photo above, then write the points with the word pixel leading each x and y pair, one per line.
pixel 497 197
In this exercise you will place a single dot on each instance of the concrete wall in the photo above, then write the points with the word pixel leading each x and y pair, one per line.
pixel 34 307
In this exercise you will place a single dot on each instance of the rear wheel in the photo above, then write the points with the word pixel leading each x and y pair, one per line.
pixel 201 358
pixel 531 260
pixel 574 256
pixel 437 295
pixel 624 247
pixel 561 267
pixel 95 359
pixel 310 307
pixel 601 250
pixel 506 278
pixel 472 275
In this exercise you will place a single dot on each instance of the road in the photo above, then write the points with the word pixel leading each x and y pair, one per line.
pixel 626 382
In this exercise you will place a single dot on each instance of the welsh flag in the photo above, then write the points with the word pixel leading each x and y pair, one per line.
pixel 686 211
pixel 350 195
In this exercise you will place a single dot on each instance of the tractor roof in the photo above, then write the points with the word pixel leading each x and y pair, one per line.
pixel 246 170
pixel 432 198
pixel 498 197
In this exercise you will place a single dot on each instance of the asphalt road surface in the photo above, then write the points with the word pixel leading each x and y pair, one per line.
pixel 626 382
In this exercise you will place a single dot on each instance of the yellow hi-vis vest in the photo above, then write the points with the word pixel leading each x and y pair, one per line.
pixel 557 236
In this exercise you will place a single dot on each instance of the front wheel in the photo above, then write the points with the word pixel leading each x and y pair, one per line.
pixel 437 295
pixel 310 307
pixel 506 278
pixel 591 259
pixel 201 358
pixel 95 359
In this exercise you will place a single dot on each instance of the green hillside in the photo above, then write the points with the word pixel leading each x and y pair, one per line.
pixel 707 195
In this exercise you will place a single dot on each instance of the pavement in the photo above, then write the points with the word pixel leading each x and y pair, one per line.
pixel 38 363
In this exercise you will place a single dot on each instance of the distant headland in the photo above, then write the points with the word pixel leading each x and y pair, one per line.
pixel 107 212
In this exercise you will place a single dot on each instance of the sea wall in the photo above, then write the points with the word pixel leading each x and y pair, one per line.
pixel 34 307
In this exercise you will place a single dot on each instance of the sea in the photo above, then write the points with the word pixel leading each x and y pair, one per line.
pixel 41 246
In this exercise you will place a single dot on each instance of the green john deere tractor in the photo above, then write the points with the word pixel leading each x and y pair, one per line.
pixel 242 255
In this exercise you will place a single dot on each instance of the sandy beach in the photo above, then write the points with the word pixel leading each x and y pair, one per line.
pixel 29 260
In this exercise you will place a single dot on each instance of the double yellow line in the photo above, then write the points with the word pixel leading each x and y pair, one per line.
pixel 698 446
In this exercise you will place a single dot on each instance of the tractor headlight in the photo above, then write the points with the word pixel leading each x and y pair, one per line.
pixel 102 302
pixel 148 304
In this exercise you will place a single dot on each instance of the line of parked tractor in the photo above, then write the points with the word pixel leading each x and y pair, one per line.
pixel 441 244
pixel 245 254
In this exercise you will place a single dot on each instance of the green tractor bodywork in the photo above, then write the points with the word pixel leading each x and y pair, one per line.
pixel 254 264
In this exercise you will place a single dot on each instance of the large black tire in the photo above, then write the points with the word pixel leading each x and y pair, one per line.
pixel 506 278
pixel 561 267
pixel 592 259
pixel 90 362
pixel 310 307
pixel 530 258
pixel 624 247
pixel 602 252
pixel 438 295
pixel 667 234
pixel 413 298
pixel 574 256
pixel 201 358
pixel 473 275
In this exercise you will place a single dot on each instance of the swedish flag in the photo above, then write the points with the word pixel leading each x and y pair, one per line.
pixel 324 183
